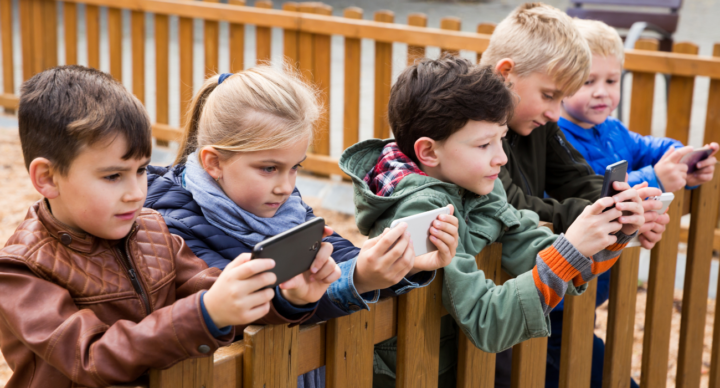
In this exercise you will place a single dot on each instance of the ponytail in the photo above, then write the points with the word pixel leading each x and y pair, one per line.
pixel 189 143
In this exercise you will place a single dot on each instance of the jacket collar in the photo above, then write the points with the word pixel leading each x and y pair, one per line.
pixel 576 130
pixel 68 236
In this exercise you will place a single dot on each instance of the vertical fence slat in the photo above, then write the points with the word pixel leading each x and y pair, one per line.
pixel 161 67
pixel 115 42
pixel 321 73
pixel 50 50
pixel 697 281
pixel 237 42
pixel 476 369
pixel 643 90
pixel 712 133
pixel 528 363
pixel 621 319
pixel 26 36
pixel 485 28
pixel 263 35
pixel 196 372
pixel 212 39
pixel 658 313
pixel 137 22
pixel 228 366
pixel 38 36
pixel 290 38
pixel 305 47
pixel 270 356
pixel 6 29
pixel 383 79
pixel 577 338
pixel 680 99
pixel 70 26
pixel 453 24
pixel 351 119
pixel 418 339
pixel 185 49
pixel 416 52
pixel 349 350
pixel 92 34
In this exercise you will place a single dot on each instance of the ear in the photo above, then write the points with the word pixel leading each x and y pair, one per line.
pixel 43 177
pixel 504 67
pixel 425 152
pixel 210 159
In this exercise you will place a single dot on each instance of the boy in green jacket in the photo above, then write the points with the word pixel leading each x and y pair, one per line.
pixel 448 117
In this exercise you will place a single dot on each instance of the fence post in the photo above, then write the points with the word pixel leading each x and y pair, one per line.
pixel 643 86
pixel 70 27
pixel 212 41
pixel 577 338
pixel 416 52
pixel 290 38
pixel 476 369
pixel 237 42
pixel 351 119
pixel 418 336
pixel 6 29
pixel 453 24
pixel 270 358
pixel 695 292
pixel 484 28
pixel 349 350
pixel 621 319
pixel 185 51
pixel 228 366
pixel 162 26
pixel 321 76
pixel 114 27
pixel 137 21
pixel 383 79
pixel 263 36
pixel 92 33
pixel 191 373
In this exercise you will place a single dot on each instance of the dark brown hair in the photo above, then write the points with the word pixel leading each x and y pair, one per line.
pixel 67 107
pixel 436 97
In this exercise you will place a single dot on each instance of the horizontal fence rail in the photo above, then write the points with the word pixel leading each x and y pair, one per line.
pixel 273 356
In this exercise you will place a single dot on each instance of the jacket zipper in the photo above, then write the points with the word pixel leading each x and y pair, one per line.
pixel 564 146
pixel 519 168
pixel 133 275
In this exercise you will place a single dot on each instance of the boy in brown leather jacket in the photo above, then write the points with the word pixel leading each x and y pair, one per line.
pixel 95 290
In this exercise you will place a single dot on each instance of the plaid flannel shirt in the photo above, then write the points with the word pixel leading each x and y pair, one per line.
pixel 392 166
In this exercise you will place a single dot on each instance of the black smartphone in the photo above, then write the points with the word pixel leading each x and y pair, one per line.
pixel 293 250
pixel 613 173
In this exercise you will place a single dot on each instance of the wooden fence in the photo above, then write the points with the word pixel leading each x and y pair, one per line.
pixel 273 356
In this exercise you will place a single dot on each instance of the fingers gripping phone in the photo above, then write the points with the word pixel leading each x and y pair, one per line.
pixel 695 157
pixel 666 199
pixel 419 228
pixel 293 250
pixel 613 173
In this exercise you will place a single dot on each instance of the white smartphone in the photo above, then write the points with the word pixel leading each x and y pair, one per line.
pixel 419 228
pixel 666 199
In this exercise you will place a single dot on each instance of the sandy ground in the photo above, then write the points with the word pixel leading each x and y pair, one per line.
pixel 16 194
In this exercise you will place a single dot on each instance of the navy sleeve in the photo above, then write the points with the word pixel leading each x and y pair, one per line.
pixel 212 327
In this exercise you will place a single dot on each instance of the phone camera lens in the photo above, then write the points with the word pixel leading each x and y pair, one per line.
pixel 315 246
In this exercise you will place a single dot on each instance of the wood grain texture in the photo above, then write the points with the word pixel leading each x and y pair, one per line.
pixel 679 101
pixel 416 52
pixel 577 338
pixel 383 79
pixel 643 89
pixel 351 116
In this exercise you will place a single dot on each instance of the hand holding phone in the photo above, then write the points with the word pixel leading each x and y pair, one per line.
pixel 695 157
pixel 419 228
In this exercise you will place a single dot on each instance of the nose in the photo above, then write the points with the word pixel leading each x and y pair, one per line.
pixel 285 186
pixel 500 159
pixel 136 190
pixel 553 111
pixel 600 91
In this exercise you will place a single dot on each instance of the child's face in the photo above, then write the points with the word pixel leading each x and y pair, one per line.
pixel 471 157
pixel 539 101
pixel 261 181
pixel 598 97
pixel 102 194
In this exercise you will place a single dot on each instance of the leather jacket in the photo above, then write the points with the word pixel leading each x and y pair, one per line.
pixel 77 310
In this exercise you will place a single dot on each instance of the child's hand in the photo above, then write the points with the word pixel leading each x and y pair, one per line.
pixel 310 286
pixel 238 297
pixel 593 230
pixel 706 168
pixel 382 264
pixel 671 173
pixel 444 234
pixel 630 202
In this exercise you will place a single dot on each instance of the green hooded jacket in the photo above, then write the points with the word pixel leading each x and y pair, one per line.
pixel 494 317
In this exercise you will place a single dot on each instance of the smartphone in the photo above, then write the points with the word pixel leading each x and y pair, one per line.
pixel 419 228
pixel 666 199
pixel 293 250
pixel 613 173
pixel 695 157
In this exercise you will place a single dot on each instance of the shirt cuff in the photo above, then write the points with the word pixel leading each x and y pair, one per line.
pixel 419 280
pixel 287 309
pixel 343 293
pixel 212 327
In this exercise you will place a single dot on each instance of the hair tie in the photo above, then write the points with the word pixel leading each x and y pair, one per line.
pixel 223 77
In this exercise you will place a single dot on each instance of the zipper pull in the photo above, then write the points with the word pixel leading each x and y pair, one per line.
pixel 132 274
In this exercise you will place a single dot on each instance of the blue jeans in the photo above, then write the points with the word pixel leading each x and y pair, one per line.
pixel 552 371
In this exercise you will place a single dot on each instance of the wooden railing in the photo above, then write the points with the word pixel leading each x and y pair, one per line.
pixel 273 356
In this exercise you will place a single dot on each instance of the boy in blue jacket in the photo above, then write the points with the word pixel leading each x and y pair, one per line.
pixel 603 140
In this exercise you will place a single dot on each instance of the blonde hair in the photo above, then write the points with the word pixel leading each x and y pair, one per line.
pixel 541 38
pixel 602 39
pixel 254 110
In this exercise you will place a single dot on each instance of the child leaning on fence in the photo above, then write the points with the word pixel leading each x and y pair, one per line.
pixel 448 117
pixel 233 185
pixel 95 290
